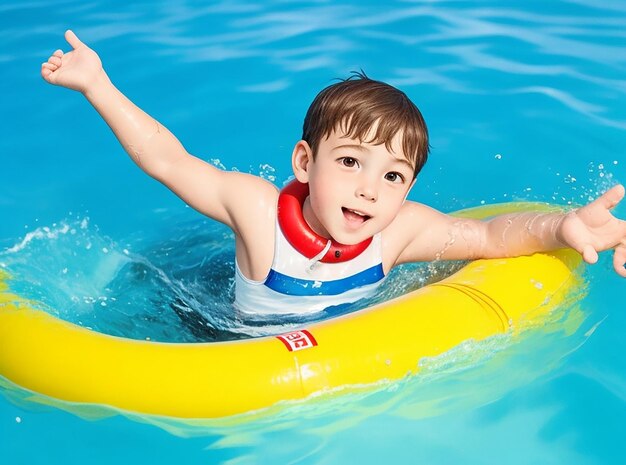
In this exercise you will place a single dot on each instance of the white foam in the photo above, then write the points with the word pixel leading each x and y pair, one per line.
pixel 40 233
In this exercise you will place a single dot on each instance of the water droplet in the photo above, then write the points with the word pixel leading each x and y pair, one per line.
pixel 498 156
pixel 18 420
pixel 217 162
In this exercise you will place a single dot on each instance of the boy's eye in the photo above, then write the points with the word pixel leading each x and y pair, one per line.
pixel 349 162
pixel 394 177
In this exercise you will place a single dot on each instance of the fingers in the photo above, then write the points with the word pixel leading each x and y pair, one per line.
pixel 589 254
pixel 619 260
pixel 611 197
pixel 50 66
pixel 53 63
pixel 45 72
pixel 55 59
pixel 73 39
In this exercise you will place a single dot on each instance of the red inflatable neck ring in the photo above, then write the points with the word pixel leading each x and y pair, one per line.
pixel 299 233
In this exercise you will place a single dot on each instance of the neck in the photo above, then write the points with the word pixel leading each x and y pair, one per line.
pixel 312 221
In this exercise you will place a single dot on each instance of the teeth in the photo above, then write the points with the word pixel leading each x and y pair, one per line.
pixel 357 213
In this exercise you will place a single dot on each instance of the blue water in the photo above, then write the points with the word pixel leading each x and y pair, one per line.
pixel 524 101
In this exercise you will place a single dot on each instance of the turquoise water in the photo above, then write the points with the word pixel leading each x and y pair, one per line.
pixel 524 101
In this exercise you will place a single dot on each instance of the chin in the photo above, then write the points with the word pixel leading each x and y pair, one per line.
pixel 348 241
pixel 352 239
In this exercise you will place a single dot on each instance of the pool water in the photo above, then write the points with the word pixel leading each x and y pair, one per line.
pixel 524 101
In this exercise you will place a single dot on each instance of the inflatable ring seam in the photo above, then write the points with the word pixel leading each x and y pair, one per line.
pixel 481 298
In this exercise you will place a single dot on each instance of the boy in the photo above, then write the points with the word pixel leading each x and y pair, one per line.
pixel 333 235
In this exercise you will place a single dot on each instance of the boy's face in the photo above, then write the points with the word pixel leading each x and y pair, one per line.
pixel 356 188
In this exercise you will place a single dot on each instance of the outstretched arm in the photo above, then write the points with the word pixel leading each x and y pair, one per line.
pixel 588 230
pixel 229 197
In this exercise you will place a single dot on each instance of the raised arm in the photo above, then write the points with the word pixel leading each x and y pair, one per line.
pixel 588 230
pixel 231 198
pixel 147 142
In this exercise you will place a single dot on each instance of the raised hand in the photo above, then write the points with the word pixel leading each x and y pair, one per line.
pixel 76 70
pixel 592 229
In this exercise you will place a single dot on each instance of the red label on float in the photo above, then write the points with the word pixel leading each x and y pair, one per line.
pixel 297 340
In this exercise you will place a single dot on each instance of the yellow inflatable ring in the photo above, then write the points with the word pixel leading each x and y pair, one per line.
pixel 209 380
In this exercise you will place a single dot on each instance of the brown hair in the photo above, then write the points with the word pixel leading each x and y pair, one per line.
pixel 354 105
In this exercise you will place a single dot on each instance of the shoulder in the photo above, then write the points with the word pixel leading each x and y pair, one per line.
pixel 253 203
pixel 250 183
pixel 251 200
pixel 413 224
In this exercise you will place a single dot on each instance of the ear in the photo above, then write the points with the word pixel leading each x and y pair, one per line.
pixel 301 158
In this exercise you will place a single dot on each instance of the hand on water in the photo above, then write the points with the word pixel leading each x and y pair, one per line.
pixel 592 229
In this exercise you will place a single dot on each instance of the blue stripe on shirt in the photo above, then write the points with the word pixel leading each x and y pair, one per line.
pixel 289 285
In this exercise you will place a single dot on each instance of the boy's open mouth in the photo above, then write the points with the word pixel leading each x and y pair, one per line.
pixel 354 216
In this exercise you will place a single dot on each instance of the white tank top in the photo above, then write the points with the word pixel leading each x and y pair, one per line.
pixel 297 284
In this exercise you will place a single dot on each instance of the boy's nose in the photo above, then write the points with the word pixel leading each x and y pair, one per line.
pixel 367 192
